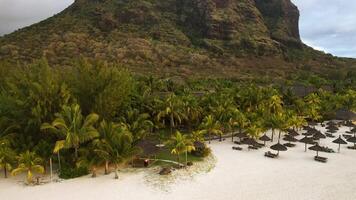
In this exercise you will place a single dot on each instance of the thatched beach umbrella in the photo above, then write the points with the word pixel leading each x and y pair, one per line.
pixel 290 139
pixel 306 140
pixel 339 141
pixel 278 147
pixel 249 141
pixel 352 140
pixel 292 133
pixel 265 139
pixel 241 135
pixel 318 135
pixel 316 148
pixel 308 133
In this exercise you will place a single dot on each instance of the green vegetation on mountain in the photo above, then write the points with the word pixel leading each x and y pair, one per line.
pixel 186 38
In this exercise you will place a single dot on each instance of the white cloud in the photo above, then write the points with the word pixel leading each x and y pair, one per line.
pixel 329 25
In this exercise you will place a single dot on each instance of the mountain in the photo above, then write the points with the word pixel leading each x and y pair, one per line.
pixel 230 38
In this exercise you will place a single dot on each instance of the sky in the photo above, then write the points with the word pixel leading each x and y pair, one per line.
pixel 326 25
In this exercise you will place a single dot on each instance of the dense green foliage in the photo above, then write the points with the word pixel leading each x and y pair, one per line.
pixel 91 113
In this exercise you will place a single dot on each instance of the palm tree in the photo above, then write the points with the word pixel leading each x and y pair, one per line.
pixel 172 109
pixel 119 147
pixel 191 109
pixel 181 144
pixel 254 130
pixel 210 126
pixel 139 124
pixel 30 163
pixel 275 104
pixel 7 156
pixel 71 125
pixel 272 122
pixel 197 136
pixel 108 133
pixel 242 121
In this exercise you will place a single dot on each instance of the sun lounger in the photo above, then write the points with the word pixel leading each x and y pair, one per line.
pixel 237 142
pixel 237 148
pixel 320 159
pixel 270 155
pixel 346 136
pixel 259 145
pixel 329 135
pixel 252 147
pixel 289 145
pixel 352 147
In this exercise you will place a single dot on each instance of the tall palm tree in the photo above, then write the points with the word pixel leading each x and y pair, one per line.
pixel 171 110
pixel 7 156
pixel 30 163
pixel 108 132
pixel 210 126
pixel 118 147
pixel 71 125
pixel 275 104
pixel 272 122
pixel 242 121
pixel 181 144
pixel 191 109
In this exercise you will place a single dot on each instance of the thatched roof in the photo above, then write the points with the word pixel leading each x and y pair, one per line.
pixel 265 138
pixel 279 147
pixel 316 147
pixel 339 140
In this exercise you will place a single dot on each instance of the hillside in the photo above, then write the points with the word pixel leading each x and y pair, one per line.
pixel 176 37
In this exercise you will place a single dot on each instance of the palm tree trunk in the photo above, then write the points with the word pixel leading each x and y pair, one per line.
pixel 59 161
pixel 209 137
pixel 272 135
pixel 186 157
pixel 172 123
pixel 279 135
pixel 116 173
pixel 5 172
pixel 76 153
pixel 94 172
pixel 106 167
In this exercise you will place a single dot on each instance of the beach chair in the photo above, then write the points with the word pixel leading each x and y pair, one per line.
pixel 237 148
pixel 346 136
pixel 259 145
pixel 289 145
pixel 253 147
pixel 237 142
pixel 351 147
pixel 320 159
pixel 270 155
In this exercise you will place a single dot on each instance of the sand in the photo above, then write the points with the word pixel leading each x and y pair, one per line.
pixel 229 175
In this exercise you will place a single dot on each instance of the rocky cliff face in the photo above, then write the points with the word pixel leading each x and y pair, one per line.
pixel 281 18
pixel 184 36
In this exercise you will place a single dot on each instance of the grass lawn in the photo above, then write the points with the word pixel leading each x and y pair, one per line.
pixel 165 154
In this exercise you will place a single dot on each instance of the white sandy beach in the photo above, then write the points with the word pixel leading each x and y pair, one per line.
pixel 236 176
